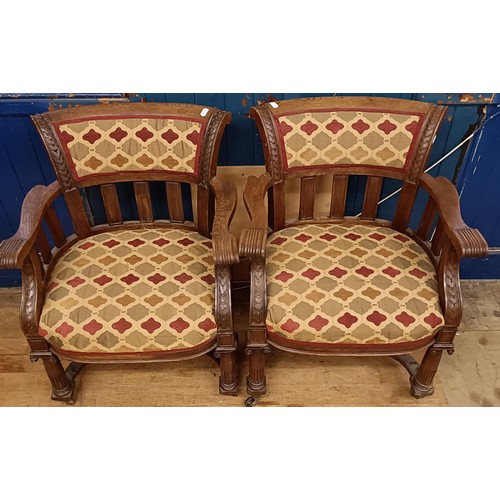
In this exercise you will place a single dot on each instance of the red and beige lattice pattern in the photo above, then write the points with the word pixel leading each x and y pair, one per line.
pixel 103 146
pixel 132 291
pixel 350 285
pixel 348 138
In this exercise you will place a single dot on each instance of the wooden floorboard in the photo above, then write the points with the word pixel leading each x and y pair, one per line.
pixel 471 377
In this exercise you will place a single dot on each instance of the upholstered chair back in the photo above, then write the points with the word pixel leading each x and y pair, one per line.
pixel 135 142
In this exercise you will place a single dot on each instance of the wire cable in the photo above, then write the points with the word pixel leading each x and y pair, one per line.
pixel 435 164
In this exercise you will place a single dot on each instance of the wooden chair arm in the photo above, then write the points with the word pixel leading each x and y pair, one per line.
pixel 225 244
pixel 253 238
pixel 14 250
pixel 468 242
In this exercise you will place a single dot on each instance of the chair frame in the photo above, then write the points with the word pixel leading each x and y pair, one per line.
pixel 28 249
pixel 452 240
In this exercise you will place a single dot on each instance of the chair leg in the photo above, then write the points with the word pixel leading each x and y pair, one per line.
pixel 256 380
pixel 421 383
pixel 228 381
pixel 62 386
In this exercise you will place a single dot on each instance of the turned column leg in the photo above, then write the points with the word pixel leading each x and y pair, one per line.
pixel 228 380
pixel 421 383
pixel 256 379
pixel 451 304
pixel 62 386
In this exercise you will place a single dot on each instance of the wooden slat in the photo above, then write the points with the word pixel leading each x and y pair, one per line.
pixel 437 239
pixel 276 197
pixel 143 199
pixel 111 204
pixel 372 197
pixel 339 194
pixel 427 220
pixel 55 226
pixel 77 213
pixel 43 246
pixel 202 203
pixel 404 207
pixel 174 199
pixel 307 189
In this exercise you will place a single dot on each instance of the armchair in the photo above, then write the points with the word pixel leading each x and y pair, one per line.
pixel 149 284
pixel 346 284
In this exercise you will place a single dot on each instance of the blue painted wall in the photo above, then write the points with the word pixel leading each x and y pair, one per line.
pixel 24 162
pixel 479 188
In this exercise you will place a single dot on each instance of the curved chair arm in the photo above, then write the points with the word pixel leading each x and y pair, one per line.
pixel 14 250
pixel 225 245
pixel 467 241
pixel 253 238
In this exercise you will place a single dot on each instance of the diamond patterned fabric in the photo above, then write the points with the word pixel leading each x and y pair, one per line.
pixel 335 284
pixel 348 138
pixel 103 146
pixel 132 291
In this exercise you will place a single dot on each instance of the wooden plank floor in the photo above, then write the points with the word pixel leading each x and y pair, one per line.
pixel 471 377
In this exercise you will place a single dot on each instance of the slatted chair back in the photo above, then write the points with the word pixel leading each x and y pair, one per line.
pixel 107 144
pixel 306 140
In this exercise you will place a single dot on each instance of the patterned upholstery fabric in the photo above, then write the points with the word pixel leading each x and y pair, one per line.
pixel 103 146
pixel 348 138
pixel 357 284
pixel 132 291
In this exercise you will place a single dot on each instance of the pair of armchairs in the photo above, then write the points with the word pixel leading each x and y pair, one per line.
pixel 157 287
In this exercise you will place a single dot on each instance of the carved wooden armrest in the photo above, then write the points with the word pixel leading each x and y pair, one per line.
pixel 225 245
pixel 468 242
pixel 253 238
pixel 14 250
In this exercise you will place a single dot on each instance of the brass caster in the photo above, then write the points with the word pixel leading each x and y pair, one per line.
pixel 251 401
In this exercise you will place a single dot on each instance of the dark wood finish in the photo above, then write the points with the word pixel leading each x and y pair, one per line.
pixel 339 194
pixel 111 204
pixel 268 134
pixel 372 197
pixel 468 242
pixel 438 239
pixel 63 172
pixel 427 220
pixel 55 226
pixel 225 255
pixel 451 241
pixel 404 206
pixel 307 192
pixel 43 246
pixel 253 246
pixel 21 251
pixel 208 165
pixel 14 250
pixel 143 200
pixel 174 199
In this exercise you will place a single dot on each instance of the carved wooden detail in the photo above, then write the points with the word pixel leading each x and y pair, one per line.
pixel 209 151
pixel 225 245
pixel 452 241
pixel 30 297
pixel 20 251
pixel 450 269
pixel 434 119
pixel 270 142
pixel 226 339
pixel 223 313
pixel 55 150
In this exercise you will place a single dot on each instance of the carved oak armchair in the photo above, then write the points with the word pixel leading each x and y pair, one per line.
pixel 332 284
pixel 152 288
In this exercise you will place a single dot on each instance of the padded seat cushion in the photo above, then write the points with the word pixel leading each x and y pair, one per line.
pixel 349 285
pixel 132 291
